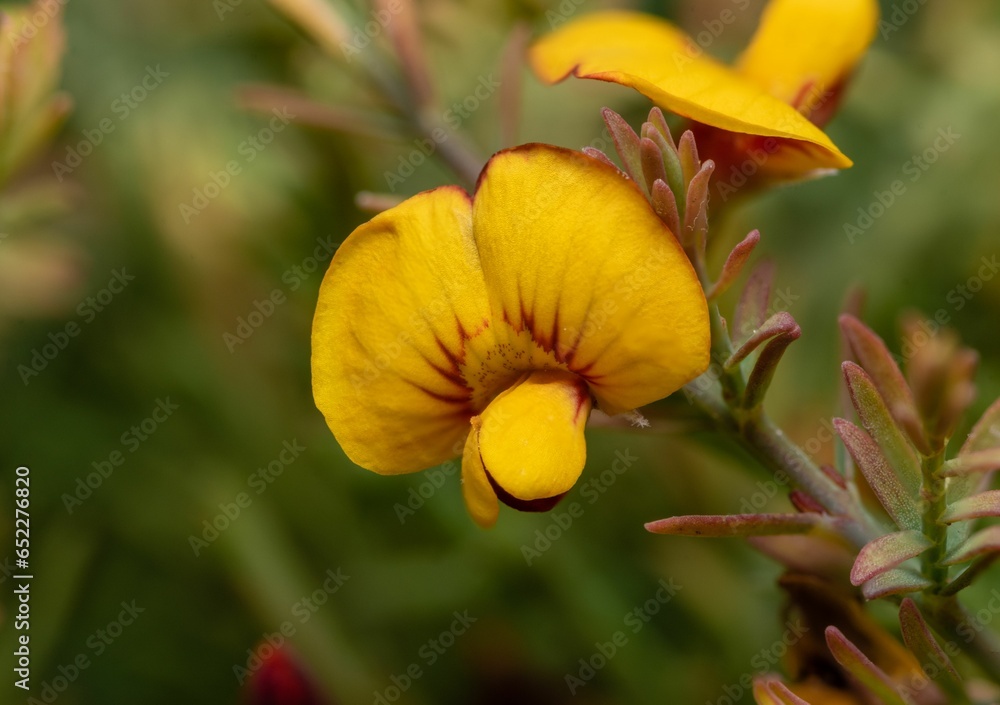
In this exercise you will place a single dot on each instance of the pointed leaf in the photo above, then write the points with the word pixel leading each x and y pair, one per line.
pixel 687 152
pixel 780 323
pixel 882 427
pixel 665 205
pixel 861 667
pixel 873 355
pixel 728 525
pixel 894 582
pixel 668 158
pixel 921 642
pixel 735 262
pixel 695 214
pixel 765 367
pixel 652 161
pixel 887 552
pixel 626 144
pixel 984 504
pixel 657 120
pixel 768 690
pixel 901 504
pixel 980 543
pixel 978 461
pixel 986 433
pixel 751 310
pixel 602 157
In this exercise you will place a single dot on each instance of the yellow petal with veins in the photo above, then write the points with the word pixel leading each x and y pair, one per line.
pixel 531 436
pixel 803 49
pixel 401 307
pixel 575 258
pixel 658 60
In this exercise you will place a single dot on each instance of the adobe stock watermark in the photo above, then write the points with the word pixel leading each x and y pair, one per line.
pixel 121 107
pixel 47 10
pixel 363 35
pixel 562 521
pixel 98 642
pixel 711 30
pixel 258 481
pixel 761 662
pixel 427 655
pixel 249 149
pixel 87 310
pixel 913 170
pixel 294 277
pixel 634 621
pixel 901 12
pixel 301 612
pixel 454 117
pixel 131 439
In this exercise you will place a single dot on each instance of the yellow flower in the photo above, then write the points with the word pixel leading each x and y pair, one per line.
pixel 787 82
pixel 495 323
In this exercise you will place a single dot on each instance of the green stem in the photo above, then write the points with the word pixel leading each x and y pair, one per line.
pixel 978 642
pixel 935 503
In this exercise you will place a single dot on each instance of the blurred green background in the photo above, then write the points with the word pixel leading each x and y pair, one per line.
pixel 165 341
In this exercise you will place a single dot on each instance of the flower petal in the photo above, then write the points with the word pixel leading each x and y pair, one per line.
pixel 658 60
pixel 480 499
pixel 574 256
pixel 531 436
pixel 804 49
pixel 402 305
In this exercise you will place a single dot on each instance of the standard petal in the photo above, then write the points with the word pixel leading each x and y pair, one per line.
pixel 480 499
pixel 575 258
pixel 531 436
pixel 656 59
pixel 803 50
pixel 400 308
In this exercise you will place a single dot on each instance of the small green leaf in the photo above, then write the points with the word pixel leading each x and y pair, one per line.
pixel 921 642
pixel 626 144
pixel 729 525
pixel 765 367
pixel 887 552
pixel 980 543
pixel 780 323
pixel 897 581
pixel 873 355
pixel 972 463
pixel 861 667
pixel 984 504
pixel 687 153
pixel 986 433
pixel 735 262
pixel 902 504
pixel 882 427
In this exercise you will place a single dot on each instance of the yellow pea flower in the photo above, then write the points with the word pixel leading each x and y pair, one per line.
pixel 771 104
pixel 489 326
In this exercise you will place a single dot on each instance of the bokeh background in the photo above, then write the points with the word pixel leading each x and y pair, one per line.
pixel 166 340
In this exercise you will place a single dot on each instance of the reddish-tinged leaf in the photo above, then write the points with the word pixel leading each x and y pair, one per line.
pixel 733 267
pixel 985 504
pixel 602 157
pixel 671 164
pixel 780 323
pixel 657 120
pixel 626 144
pixel 973 462
pixel 665 205
pixel 882 427
pixel 901 504
pixel 805 503
pixel 980 543
pixel 861 667
pixel 873 355
pixel 752 308
pixel 728 525
pixel 652 160
pixel 696 205
pixel 986 433
pixel 765 367
pixel 922 644
pixel 687 153
pixel 887 552
pixel 767 690
pixel 894 582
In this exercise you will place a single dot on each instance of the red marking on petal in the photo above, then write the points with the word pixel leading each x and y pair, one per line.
pixel 543 504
